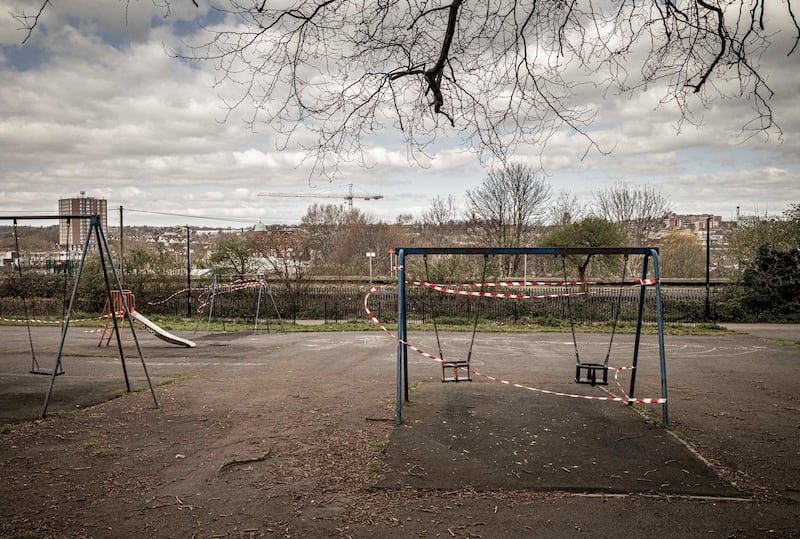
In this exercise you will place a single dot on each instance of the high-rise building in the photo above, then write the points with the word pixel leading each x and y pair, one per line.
pixel 73 234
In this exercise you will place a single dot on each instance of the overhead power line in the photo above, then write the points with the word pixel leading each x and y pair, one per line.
pixel 248 220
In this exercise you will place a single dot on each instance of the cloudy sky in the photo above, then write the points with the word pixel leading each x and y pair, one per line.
pixel 93 103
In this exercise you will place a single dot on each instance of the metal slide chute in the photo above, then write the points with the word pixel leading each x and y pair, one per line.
pixel 160 332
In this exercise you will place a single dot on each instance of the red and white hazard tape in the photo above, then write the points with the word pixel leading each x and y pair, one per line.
pixel 42 321
pixel 30 321
pixel 643 282
pixel 529 283
pixel 456 289
pixel 181 291
pixel 233 286
pixel 448 289
pixel 624 399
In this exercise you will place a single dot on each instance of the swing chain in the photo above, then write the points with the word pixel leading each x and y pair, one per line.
pixel 591 369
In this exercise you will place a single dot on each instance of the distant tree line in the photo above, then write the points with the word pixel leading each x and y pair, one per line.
pixel 513 207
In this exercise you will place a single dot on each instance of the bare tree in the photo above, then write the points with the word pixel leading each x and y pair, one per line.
pixel 338 239
pixel 438 220
pixel 638 210
pixel 499 74
pixel 507 209
pixel 324 225
pixel 565 209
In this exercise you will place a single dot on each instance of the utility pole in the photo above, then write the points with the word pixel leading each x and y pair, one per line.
pixel 708 269
pixel 188 274
pixel 121 257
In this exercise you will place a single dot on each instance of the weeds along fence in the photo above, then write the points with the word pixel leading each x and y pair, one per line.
pixel 344 302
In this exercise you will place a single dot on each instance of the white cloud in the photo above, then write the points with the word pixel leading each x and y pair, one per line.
pixel 102 107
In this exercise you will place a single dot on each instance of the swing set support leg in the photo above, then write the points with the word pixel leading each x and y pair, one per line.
pixel 638 337
pixel 402 334
pixel 65 324
pixel 103 251
pixel 661 349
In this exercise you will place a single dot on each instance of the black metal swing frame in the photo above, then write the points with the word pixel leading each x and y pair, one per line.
pixel 95 229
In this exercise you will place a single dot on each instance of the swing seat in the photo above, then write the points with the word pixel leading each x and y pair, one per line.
pixel 45 372
pixel 587 373
pixel 455 365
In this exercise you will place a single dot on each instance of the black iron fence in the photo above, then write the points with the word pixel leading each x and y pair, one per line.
pixel 344 302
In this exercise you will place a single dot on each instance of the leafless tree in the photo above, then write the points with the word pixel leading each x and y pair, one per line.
pixel 565 209
pixel 338 239
pixel 439 220
pixel 323 225
pixel 508 208
pixel 497 73
pixel 638 210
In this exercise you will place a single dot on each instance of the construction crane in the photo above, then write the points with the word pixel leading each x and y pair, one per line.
pixel 348 197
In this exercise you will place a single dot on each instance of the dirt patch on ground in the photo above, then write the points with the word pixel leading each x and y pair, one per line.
pixel 277 435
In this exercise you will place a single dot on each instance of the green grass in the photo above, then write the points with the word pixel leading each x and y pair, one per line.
pixel 381 445
pixel 444 323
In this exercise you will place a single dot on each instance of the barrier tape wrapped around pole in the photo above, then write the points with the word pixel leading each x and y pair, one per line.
pixel 625 399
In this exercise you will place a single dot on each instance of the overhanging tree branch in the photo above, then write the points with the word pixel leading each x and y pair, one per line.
pixel 501 74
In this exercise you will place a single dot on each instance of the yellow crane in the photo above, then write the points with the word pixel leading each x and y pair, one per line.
pixel 348 197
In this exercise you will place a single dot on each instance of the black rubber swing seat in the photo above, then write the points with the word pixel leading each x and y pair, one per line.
pixel 587 373
pixel 45 372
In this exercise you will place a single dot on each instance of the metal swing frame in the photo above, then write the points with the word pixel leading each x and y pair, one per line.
pixel 263 287
pixel 107 263
pixel 648 254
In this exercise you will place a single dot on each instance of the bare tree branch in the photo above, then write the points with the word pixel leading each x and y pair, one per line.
pixel 29 22
pixel 498 74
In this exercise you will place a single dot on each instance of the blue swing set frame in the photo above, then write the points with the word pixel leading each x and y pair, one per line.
pixel 648 254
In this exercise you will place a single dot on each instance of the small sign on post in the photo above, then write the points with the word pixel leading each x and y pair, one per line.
pixel 370 256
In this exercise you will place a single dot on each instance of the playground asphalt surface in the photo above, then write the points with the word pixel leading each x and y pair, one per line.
pixel 292 435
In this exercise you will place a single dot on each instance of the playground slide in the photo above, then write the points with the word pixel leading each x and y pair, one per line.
pixel 159 332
